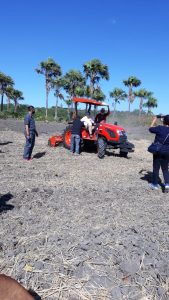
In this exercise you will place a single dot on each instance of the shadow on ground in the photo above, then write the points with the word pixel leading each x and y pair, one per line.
pixel 39 155
pixel 6 143
pixel 109 153
pixel 147 176
pixel 3 199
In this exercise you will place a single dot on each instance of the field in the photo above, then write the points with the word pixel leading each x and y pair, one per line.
pixel 79 227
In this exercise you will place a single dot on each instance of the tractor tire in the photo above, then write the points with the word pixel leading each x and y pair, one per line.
pixel 67 137
pixel 123 154
pixel 101 148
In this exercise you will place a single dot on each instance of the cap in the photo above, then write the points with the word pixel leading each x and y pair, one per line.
pixel 102 110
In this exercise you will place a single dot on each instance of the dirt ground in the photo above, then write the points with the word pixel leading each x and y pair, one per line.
pixel 79 227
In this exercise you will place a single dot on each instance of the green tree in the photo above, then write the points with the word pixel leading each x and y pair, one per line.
pixel 117 95
pixel 150 104
pixel 9 95
pixel 68 103
pixel 5 81
pixel 98 95
pixel 16 96
pixel 130 83
pixel 51 70
pixel 142 94
pixel 94 71
pixel 74 83
pixel 57 85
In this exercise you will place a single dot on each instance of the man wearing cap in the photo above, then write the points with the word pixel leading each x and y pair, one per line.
pixel 30 133
pixel 101 116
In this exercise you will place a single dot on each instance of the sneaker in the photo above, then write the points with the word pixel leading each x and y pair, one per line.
pixel 154 186
pixel 166 188
pixel 27 159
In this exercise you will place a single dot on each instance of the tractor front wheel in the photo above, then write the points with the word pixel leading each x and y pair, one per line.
pixel 101 148
pixel 123 154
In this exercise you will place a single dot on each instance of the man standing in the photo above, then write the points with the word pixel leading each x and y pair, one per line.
pixel 30 133
pixel 76 134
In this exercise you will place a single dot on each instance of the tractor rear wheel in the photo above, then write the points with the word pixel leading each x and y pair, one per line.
pixel 67 137
pixel 101 148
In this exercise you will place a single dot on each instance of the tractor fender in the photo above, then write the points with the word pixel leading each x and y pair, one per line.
pixel 67 137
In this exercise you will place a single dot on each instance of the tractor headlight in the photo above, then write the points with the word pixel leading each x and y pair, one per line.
pixel 121 132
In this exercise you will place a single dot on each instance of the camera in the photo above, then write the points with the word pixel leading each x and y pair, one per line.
pixel 160 116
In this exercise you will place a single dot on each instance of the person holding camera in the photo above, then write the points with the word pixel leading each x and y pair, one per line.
pixel 161 160
pixel 30 133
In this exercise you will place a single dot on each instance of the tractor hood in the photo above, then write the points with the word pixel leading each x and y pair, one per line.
pixel 111 127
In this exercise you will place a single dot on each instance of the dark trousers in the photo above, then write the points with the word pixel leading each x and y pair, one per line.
pixel 30 143
pixel 160 160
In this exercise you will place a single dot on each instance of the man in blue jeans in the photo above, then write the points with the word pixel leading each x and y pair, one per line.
pixel 76 134
pixel 30 133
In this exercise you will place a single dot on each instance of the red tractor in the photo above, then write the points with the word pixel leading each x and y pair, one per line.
pixel 105 135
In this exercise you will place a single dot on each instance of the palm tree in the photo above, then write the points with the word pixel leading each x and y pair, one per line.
pixel 151 103
pixel 5 81
pixel 117 95
pixel 57 84
pixel 98 95
pixel 68 102
pixel 143 95
pixel 94 70
pixel 74 83
pixel 51 70
pixel 130 83
pixel 9 94
pixel 16 96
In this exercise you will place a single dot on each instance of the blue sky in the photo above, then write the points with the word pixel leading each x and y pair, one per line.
pixel 130 36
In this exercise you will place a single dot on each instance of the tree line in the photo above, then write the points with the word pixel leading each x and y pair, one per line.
pixel 76 83
pixel 7 88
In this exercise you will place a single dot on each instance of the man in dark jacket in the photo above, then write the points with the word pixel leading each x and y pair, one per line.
pixel 76 134
pixel 102 115
pixel 30 133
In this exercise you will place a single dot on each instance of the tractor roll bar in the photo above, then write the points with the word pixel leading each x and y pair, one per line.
pixel 88 101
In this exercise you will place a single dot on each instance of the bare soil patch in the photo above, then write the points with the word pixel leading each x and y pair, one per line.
pixel 79 227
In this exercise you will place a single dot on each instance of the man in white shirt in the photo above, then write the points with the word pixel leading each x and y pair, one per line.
pixel 88 123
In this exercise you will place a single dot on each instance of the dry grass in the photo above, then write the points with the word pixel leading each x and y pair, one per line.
pixel 82 228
